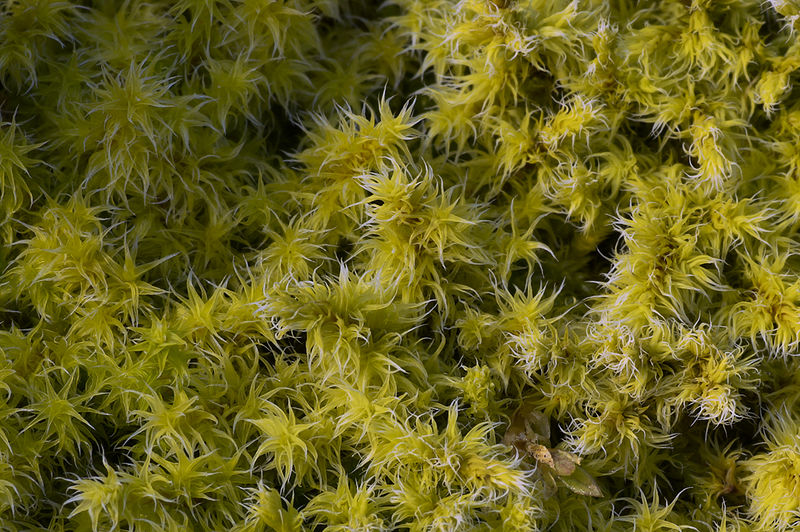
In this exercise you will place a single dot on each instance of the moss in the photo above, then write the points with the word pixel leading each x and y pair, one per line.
pixel 407 265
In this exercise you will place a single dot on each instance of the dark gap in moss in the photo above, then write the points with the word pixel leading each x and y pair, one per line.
pixel 295 343
pixel 344 250
pixel 284 133
pixel 557 432
pixel 239 245
pixel 640 131
pixel 24 318
pixel 579 265
pixel 542 86
pixel 521 271
pixel 772 26
pixel 355 472
pixel 265 356
pixel 603 255
pixel 108 444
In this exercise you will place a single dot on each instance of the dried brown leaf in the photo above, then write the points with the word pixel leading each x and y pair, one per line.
pixel 581 482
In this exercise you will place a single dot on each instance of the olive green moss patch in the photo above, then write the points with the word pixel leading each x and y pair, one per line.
pixel 413 265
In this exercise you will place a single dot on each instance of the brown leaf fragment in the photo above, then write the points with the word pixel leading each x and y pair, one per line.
pixel 564 463
pixel 582 483
pixel 528 425
pixel 539 424
pixel 514 434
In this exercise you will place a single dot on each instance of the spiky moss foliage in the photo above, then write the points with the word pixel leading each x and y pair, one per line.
pixel 419 265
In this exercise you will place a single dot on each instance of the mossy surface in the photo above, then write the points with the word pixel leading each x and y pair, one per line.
pixel 415 265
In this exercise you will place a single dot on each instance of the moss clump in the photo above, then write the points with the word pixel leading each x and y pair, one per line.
pixel 411 265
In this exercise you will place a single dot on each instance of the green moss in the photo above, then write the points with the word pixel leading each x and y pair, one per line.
pixel 409 265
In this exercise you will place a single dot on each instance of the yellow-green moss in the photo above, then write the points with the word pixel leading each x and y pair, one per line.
pixel 421 265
